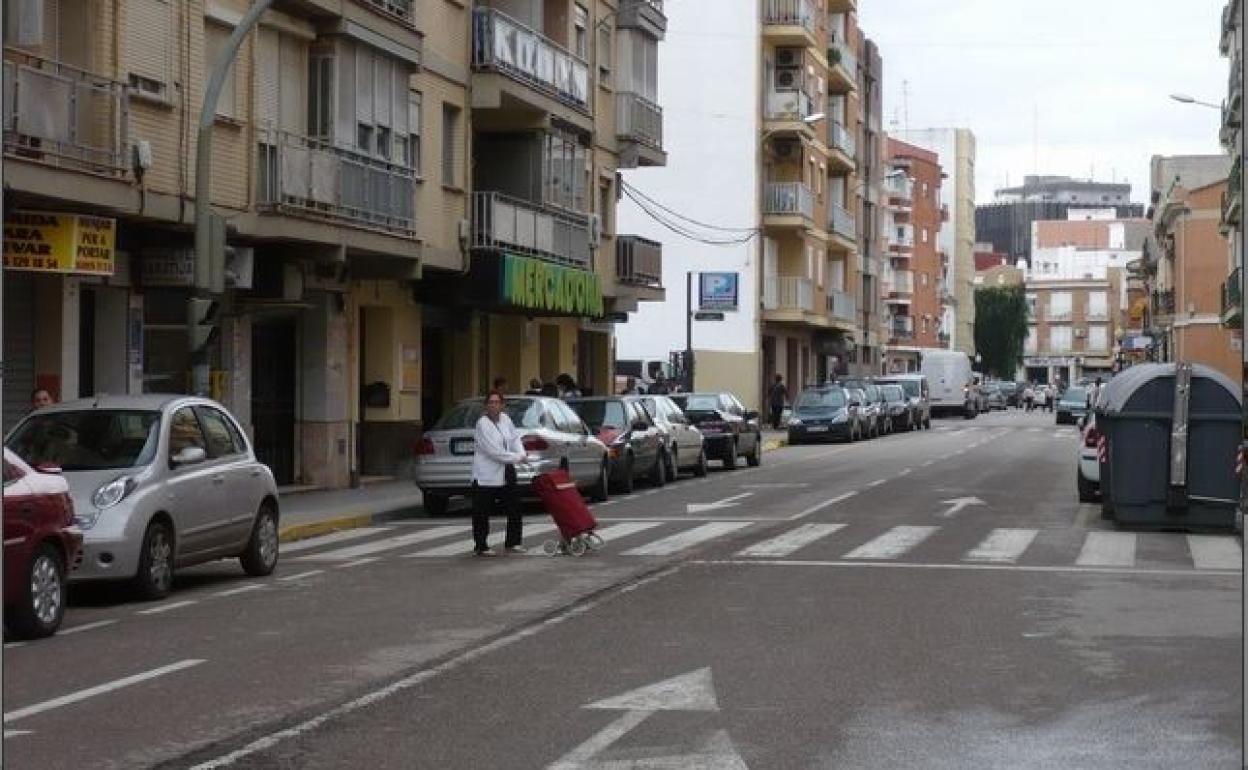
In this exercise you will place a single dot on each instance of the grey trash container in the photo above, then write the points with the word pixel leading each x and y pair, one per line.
pixel 1148 478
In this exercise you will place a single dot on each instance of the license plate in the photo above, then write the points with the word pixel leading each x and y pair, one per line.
pixel 463 446
pixel 817 429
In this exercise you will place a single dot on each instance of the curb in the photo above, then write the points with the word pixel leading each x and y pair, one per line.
pixel 309 529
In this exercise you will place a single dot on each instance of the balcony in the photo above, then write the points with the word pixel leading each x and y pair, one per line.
pixel 1230 22
pixel 639 261
pixel 791 22
pixel 944 212
pixel 842 6
pixel 901 328
pixel 789 203
pixel 943 339
pixel 900 191
pixel 1234 103
pixel 842 307
pixel 901 240
pixel 502 222
pixel 551 76
pixel 900 287
pixel 842 67
pixel 788 294
pixel 397 10
pixel 639 125
pixel 843 226
pixel 60 116
pixel 1233 300
pixel 308 177
pixel 646 15
pixel 844 148
pixel 1232 204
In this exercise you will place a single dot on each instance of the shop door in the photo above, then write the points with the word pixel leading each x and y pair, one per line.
pixel 273 367
pixel 432 375
pixel 19 345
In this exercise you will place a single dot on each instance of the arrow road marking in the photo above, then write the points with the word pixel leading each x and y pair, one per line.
pixel 958 503
pixel 727 502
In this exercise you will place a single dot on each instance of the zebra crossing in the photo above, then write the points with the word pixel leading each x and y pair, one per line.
pixel 835 541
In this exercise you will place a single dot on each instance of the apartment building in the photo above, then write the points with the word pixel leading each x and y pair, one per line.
pixel 1185 263
pixel 1078 246
pixel 1073 327
pixel 1231 135
pixel 913 285
pixel 868 352
pixel 393 243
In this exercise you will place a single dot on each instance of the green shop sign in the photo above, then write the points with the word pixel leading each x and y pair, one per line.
pixel 536 285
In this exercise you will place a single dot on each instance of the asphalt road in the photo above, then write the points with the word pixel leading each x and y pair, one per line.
pixel 928 600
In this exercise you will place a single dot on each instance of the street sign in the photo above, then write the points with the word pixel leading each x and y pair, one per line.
pixel 717 291
pixel 705 316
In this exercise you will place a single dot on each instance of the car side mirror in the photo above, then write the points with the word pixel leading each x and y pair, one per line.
pixel 641 425
pixel 189 456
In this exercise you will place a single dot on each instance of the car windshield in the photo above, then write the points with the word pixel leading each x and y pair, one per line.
pixel 524 412
pixel 819 400
pixel 894 393
pixel 1076 395
pixel 600 414
pixel 88 440
pixel 697 402
pixel 911 387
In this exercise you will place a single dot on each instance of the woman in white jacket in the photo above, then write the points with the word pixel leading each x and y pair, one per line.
pixel 498 449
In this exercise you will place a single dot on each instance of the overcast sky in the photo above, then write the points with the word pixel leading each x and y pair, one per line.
pixel 1089 79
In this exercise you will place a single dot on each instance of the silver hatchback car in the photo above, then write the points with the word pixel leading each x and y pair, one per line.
pixel 553 434
pixel 158 482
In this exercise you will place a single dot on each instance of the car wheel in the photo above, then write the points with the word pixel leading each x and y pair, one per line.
pixel 260 558
pixel 599 492
pixel 701 469
pixel 673 465
pixel 1087 490
pixel 42 603
pixel 625 484
pixel 755 458
pixel 658 473
pixel 154 579
pixel 435 504
pixel 793 439
pixel 730 460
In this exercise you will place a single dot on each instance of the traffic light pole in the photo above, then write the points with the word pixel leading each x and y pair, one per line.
pixel 209 256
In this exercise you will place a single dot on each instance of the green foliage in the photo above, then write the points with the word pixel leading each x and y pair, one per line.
pixel 1000 328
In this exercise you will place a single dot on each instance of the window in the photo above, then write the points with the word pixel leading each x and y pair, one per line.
pixel 147 40
pixel 184 432
pixel 605 199
pixel 1098 304
pixel 450 129
pixel 215 37
pixel 1098 337
pixel 1059 304
pixel 358 97
pixel 923 230
pixel 1032 343
pixel 408 146
pixel 566 164
pixel 604 55
pixel 222 439
pixel 925 322
pixel 923 278
pixel 1059 339
pixel 580 20
pixel 638 69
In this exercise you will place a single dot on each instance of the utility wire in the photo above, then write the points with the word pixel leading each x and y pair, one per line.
pixel 628 187
pixel 684 230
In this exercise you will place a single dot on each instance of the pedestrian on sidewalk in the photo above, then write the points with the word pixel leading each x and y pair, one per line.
pixel 498 449
pixel 1042 397
pixel 777 396
pixel 1029 397
pixel 535 387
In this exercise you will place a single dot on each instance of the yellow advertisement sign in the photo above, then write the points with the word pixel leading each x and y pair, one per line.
pixel 50 242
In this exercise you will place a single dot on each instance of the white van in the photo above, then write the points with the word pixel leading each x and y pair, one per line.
pixel 950 382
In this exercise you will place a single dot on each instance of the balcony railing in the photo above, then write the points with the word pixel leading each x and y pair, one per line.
pixel 786 198
pixel 646 14
pixel 899 188
pixel 800 13
pixel 902 326
pixel 315 178
pixel 501 221
pixel 902 282
pixel 840 53
pixel 399 10
pixel 842 306
pixel 502 44
pixel 842 222
pixel 1232 295
pixel 841 139
pixel 905 240
pixel 638 119
pixel 639 261
pixel 63 116
pixel 788 292
pixel 1233 200
pixel 1097 315
pixel 1163 302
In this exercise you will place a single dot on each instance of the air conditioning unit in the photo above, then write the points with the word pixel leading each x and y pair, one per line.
pixel 595 231
pixel 788 57
pixel 788 78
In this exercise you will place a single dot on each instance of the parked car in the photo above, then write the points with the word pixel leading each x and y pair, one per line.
pixel 993 398
pixel 823 413
pixel 729 430
pixel 42 545
pixel 1072 405
pixel 158 482
pixel 685 446
pixel 901 413
pixel 1088 469
pixel 861 411
pixel 917 392
pixel 553 435
pixel 635 445
pixel 1013 392
pixel 874 405
pixel 951 382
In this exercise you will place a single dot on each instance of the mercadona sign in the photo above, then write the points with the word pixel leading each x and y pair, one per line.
pixel 534 284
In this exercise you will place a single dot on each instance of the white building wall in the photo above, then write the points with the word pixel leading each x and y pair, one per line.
pixel 709 88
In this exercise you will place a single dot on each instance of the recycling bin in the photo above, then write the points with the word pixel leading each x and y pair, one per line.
pixel 1172 435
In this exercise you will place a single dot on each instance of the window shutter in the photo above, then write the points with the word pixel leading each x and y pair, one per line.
pixel 267 77
pixel 384 72
pixel 147 38
pixel 363 85
pixel 293 85
pixel 215 38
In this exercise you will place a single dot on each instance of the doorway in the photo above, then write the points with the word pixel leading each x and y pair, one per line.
pixel 273 366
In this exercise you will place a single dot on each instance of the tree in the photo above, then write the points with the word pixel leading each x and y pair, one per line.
pixel 1000 328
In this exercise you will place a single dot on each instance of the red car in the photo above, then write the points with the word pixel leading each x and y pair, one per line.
pixel 41 546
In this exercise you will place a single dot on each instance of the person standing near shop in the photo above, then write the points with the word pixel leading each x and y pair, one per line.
pixel 498 450
pixel 777 396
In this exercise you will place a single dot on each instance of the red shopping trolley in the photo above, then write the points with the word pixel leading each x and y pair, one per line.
pixel 576 523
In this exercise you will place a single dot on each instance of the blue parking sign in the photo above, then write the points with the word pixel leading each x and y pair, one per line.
pixel 717 291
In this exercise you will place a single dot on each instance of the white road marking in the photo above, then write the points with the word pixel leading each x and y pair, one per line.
pixel 613 532
pixel 904 472
pixel 877 482
pixel 301 575
pixel 892 543
pixel 333 537
pixel 167 607
pixel 91 692
pixel 1215 552
pixel 774 485
pixel 973 567
pixel 14 733
pixel 358 562
pixel 240 590
pixel 388 544
pixel 727 502
pixel 13 645
pixel 1107 549
pixel 85 627
pixel 462 547
pixel 928 463
pixel 608 502
pixel 688 539
pixel 1003 545
pixel 791 541
pixel 820 506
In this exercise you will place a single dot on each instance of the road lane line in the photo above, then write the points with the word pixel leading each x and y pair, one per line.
pixel 1003 545
pixel 167 607
pixel 688 539
pixel 791 541
pixel 240 590
pixel 358 562
pixel 904 472
pixel 1215 552
pixel 892 543
pixel 301 575
pixel 389 544
pixel 85 627
pixel 971 567
pixel 877 482
pixel 1107 549
pixel 826 503
pixel 91 692
pixel 13 645
pixel 464 546
pixel 331 538
pixel 615 531
pixel 15 733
